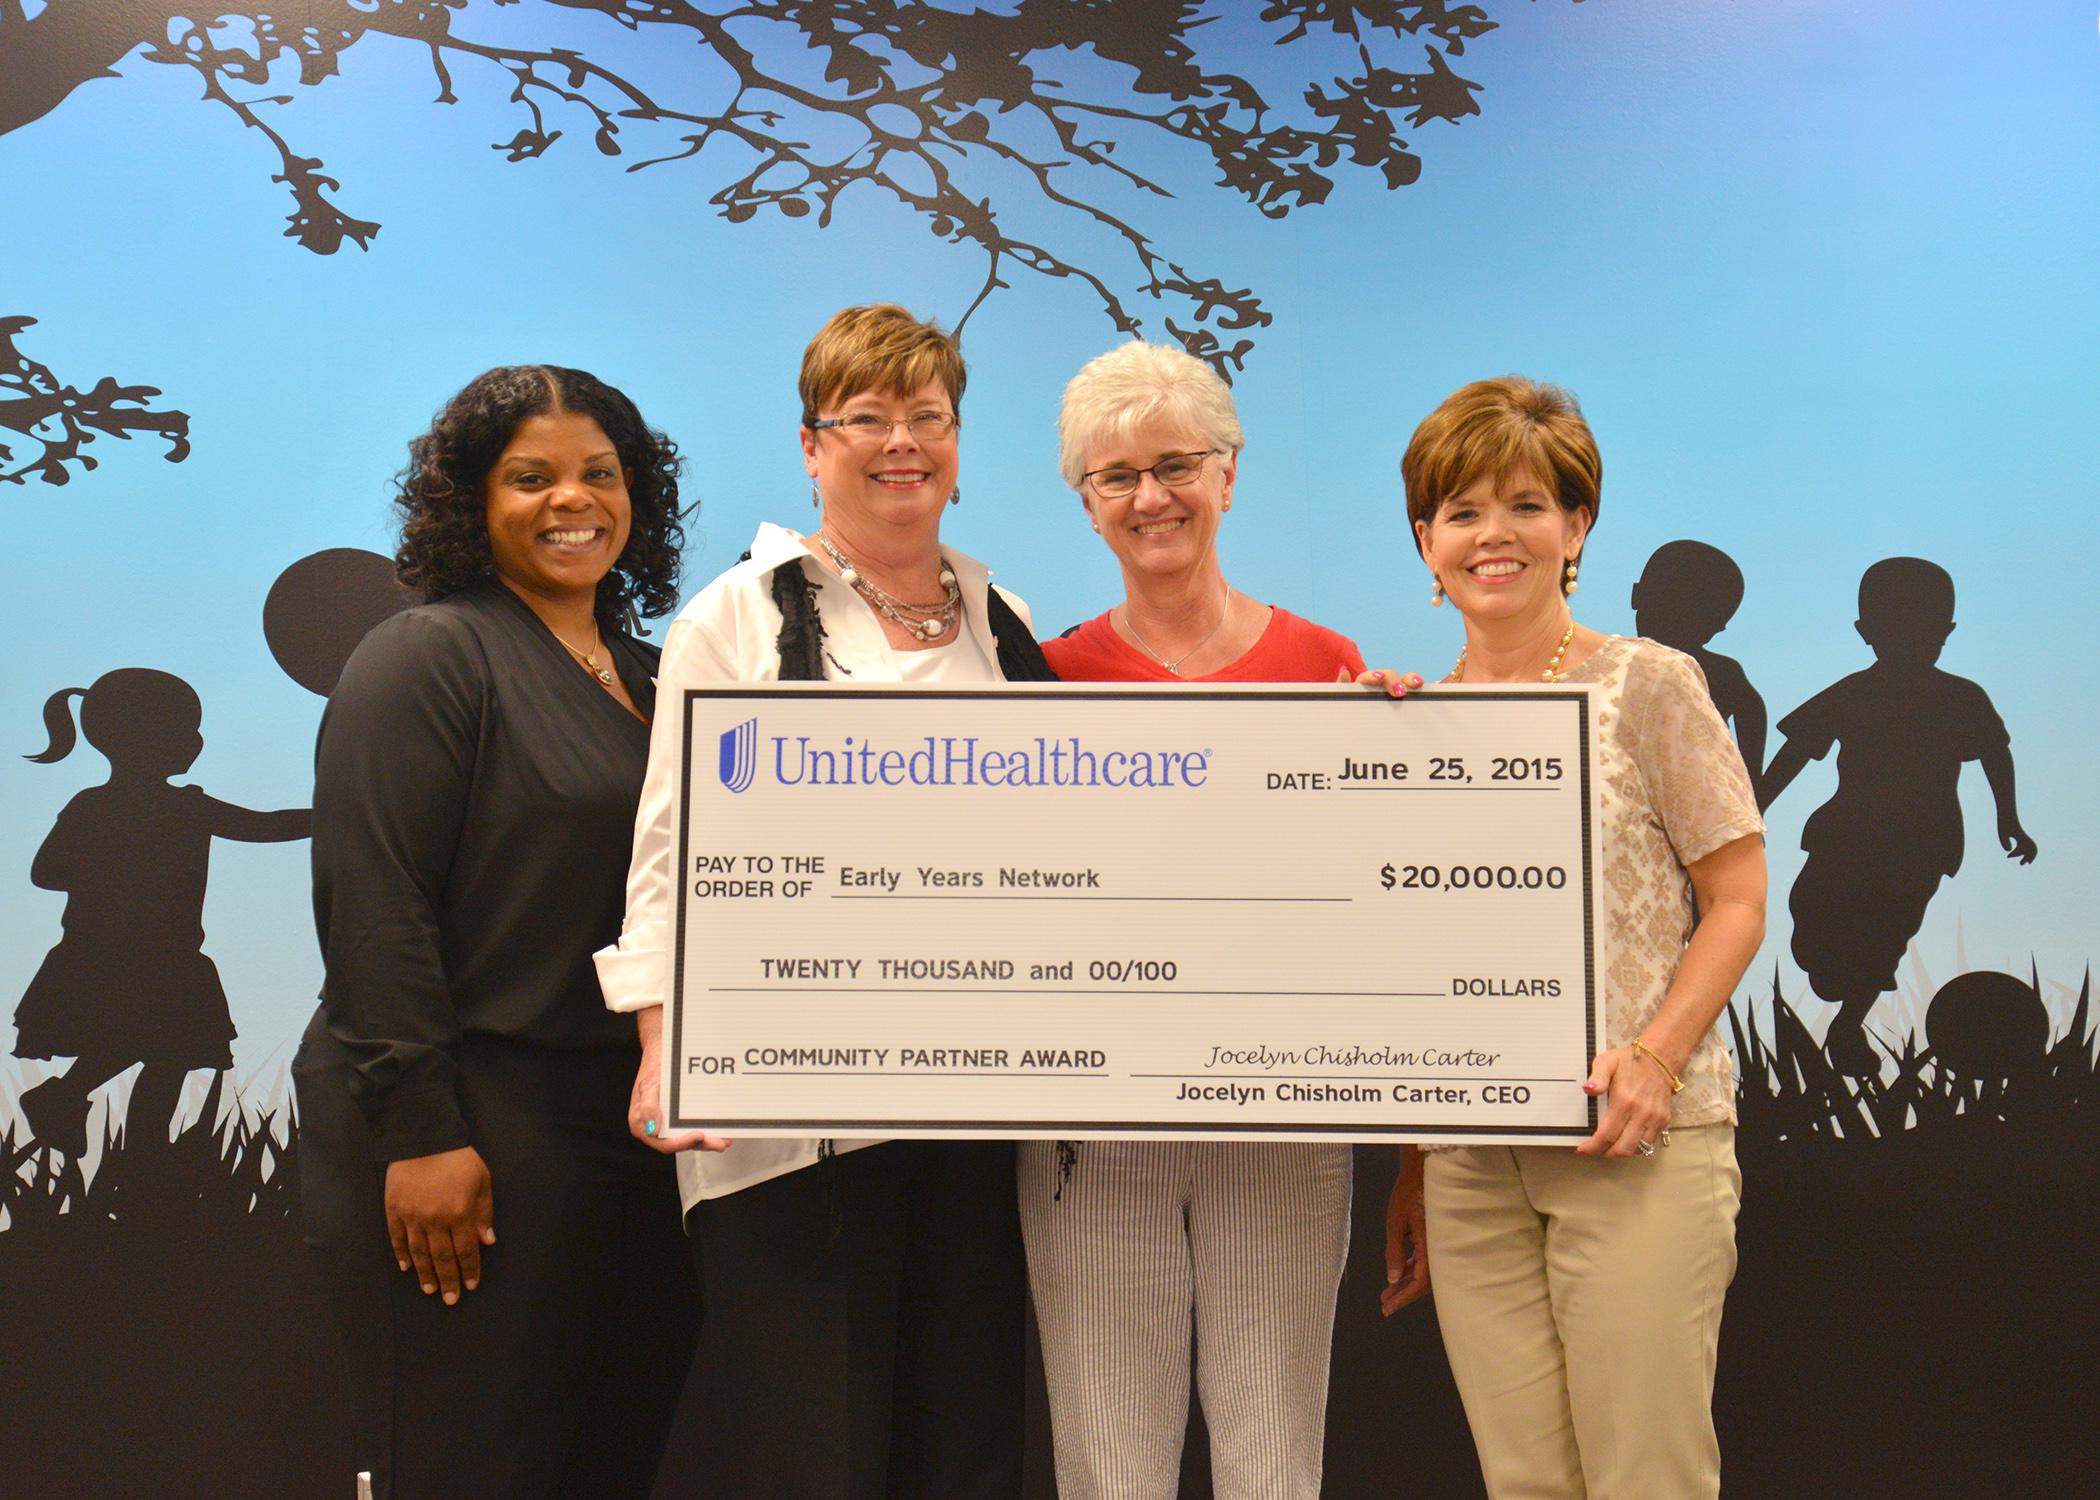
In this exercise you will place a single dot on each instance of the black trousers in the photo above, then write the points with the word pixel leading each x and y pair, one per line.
pixel 866 1327
pixel 557 1378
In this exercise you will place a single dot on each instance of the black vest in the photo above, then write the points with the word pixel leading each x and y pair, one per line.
pixel 802 632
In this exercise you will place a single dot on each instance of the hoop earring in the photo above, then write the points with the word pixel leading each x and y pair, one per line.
pixel 1436 592
pixel 1568 584
pixel 955 496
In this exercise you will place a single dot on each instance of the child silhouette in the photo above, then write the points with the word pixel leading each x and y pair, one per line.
pixel 129 981
pixel 1686 596
pixel 1878 849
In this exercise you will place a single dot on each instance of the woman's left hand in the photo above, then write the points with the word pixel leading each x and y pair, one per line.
pixel 1396 684
pixel 1639 1107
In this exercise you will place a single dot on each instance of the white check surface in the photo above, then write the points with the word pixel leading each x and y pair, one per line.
pixel 1093 911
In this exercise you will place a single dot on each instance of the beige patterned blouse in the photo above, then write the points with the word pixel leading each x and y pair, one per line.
pixel 1673 791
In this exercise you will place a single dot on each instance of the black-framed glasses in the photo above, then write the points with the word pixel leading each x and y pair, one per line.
pixel 1173 471
pixel 865 426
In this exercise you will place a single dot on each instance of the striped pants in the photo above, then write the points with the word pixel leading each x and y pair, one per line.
pixel 1246 1238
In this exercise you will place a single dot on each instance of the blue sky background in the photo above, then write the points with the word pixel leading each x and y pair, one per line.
pixel 1823 277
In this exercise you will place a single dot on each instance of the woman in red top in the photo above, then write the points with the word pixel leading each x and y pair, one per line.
pixel 1128 1240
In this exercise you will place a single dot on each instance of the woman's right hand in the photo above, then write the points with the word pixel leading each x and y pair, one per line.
pixel 645 1116
pixel 440 1212
pixel 1406 1236
pixel 1395 684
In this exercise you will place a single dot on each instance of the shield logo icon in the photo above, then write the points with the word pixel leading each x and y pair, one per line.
pixel 739 755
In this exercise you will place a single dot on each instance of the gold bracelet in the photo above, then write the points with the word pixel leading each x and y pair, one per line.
pixel 1642 1049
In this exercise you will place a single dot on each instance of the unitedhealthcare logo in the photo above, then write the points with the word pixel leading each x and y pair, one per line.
pixel 959 760
pixel 740 755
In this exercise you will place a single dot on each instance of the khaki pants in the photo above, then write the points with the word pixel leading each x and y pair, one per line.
pixel 1580 1300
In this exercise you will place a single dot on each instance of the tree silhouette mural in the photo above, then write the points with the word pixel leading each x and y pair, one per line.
pixel 1051 106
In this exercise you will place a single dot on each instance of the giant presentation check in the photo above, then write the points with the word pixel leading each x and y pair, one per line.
pixel 1094 911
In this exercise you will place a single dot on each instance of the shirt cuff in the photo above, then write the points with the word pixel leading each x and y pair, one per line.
pixel 419 1123
pixel 632 978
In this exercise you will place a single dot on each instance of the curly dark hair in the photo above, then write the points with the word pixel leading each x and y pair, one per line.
pixel 444 527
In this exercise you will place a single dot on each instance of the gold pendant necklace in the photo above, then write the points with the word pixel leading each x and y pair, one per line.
pixel 589 658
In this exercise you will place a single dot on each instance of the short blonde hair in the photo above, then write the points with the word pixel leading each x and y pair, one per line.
pixel 879 348
pixel 1492 429
pixel 1116 393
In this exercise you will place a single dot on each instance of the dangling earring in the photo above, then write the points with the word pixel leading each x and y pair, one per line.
pixel 1436 592
pixel 816 496
pixel 955 496
pixel 1568 584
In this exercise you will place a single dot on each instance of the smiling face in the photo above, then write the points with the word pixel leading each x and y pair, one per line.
pixel 556 502
pixel 1499 547
pixel 1160 530
pixel 892 478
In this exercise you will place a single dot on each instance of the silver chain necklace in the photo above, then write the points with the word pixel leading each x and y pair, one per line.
pixel 1174 666
pixel 929 622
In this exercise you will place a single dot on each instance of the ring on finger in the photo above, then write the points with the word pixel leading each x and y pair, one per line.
pixel 1647 1148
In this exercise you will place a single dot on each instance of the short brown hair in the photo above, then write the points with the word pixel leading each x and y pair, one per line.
pixel 1493 428
pixel 880 348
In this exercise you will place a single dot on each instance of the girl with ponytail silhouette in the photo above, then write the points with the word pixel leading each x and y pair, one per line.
pixel 129 981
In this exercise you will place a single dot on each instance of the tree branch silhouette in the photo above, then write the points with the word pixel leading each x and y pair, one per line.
pixel 63 419
pixel 937 108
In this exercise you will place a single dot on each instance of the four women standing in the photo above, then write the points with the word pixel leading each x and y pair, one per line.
pixel 474 787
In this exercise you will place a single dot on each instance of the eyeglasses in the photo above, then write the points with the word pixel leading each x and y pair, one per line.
pixel 865 426
pixel 1173 471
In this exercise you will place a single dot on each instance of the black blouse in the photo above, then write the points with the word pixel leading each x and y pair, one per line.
pixel 474 802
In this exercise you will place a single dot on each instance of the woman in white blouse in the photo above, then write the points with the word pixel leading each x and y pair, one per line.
pixel 867 1296
pixel 1579 1292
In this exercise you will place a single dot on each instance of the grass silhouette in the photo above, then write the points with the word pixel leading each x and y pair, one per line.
pixel 162 1330
pixel 1914 1286
pixel 1914 1281
pixel 1788 1090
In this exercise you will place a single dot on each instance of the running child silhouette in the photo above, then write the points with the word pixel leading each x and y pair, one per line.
pixel 1878 849
pixel 129 981
pixel 1686 596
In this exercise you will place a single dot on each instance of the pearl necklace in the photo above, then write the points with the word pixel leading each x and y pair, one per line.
pixel 589 658
pixel 1553 673
pixel 934 620
pixel 1174 666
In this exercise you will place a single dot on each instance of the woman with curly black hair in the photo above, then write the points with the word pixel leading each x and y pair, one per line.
pixel 475 783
